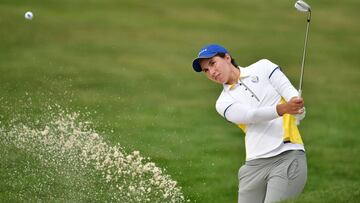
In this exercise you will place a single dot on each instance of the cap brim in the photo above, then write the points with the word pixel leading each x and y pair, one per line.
pixel 196 64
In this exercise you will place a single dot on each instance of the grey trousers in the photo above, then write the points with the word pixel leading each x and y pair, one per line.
pixel 273 179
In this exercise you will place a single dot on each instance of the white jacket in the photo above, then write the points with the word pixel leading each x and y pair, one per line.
pixel 251 104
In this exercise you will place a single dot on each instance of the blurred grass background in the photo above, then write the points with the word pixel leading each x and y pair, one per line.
pixel 129 62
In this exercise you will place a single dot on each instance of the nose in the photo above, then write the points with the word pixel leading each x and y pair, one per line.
pixel 212 71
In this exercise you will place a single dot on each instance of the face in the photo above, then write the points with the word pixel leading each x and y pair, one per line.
pixel 217 69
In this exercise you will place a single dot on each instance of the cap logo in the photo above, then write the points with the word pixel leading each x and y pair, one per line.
pixel 202 51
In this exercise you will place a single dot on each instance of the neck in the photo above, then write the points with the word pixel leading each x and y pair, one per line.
pixel 234 76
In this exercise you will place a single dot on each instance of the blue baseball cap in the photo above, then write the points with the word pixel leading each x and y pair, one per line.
pixel 206 52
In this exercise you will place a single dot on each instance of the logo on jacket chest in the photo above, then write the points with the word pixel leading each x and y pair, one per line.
pixel 254 79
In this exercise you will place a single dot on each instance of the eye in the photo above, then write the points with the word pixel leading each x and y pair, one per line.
pixel 205 70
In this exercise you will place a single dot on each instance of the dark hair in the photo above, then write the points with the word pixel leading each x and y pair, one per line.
pixel 222 55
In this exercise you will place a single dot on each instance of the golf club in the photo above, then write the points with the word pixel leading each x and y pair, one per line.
pixel 302 6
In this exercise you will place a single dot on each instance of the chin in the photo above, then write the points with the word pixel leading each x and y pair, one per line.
pixel 220 81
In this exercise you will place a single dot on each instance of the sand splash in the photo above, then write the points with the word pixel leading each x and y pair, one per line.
pixel 98 171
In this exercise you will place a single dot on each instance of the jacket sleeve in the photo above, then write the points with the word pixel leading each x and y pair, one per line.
pixel 279 81
pixel 239 113
pixel 282 85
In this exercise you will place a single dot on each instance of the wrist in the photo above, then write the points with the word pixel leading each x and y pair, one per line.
pixel 281 109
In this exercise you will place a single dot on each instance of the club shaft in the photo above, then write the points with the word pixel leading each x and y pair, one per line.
pixel 304 53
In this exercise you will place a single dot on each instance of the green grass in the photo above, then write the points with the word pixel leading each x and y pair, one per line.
pixel 129 63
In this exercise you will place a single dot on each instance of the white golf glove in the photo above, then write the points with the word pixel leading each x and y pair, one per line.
pixel 300 116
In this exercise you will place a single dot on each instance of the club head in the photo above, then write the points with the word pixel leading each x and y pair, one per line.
pixel 302 6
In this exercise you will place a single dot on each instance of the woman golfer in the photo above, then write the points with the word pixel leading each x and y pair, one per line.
pixel 263 103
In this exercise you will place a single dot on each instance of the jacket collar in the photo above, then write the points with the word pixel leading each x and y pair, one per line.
pixel 244 73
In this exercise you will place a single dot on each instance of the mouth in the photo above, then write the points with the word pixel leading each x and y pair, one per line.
pixel 217 77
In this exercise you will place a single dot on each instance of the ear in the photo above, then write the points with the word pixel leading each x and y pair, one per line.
pixel 228 58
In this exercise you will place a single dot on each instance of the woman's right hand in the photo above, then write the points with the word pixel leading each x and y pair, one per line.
pixel 293 106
